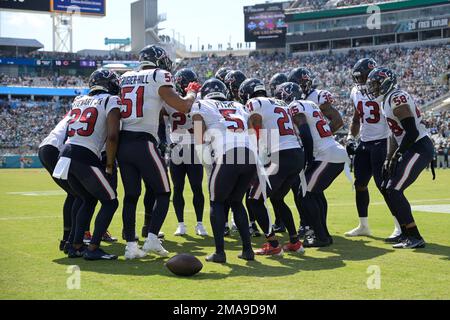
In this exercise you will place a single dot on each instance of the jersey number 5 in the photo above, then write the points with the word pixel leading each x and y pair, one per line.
pixel 238 124
pixel 136 101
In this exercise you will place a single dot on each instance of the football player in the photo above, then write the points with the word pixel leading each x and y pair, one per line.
pixel 94 118
pixel 410 150
pixel 324 99
pixel 233 81
pixel 325 160
pixel 370 124
pixel 275 81
pixel 183 160
pixel 224 123
pixel 143 94
pixel 222 73
pixel 48 154
pixel 276 135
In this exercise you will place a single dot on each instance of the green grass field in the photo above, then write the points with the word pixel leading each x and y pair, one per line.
pixel 31 267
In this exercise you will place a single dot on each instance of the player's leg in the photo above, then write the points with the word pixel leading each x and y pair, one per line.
pixel 195 176
pixel 254 231
pixel 255 202
pixel 48 155
pixel 413 162
pixel 245 172
pixel 363 173
pixel 377 158
pixel 220 187
pixel 303 223
pixel 178 174
pixel 154 173
pixel 82 218
pixel 97 184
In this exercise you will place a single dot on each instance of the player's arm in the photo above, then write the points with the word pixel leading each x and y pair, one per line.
pixel 112 139
pixel 354 132
pixel 355 125
pixel 408 121
pixel 255 124
pixel 301 123
pixel 181 104
pixel 199 129
pixel 332 115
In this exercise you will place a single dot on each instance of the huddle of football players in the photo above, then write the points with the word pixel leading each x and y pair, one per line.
pixel 254 144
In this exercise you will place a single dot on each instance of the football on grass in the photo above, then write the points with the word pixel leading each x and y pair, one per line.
pixel 184 265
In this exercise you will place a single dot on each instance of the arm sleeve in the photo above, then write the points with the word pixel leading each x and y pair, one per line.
pixel 411 134
pixel 307 140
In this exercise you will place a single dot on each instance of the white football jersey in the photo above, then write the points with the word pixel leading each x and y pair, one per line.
pixel 373 122
pixel 182 127
pixel 58 135
pixel 88 126
pixel 319 97
pixel 141 103
pixel 395 99
pixel 326 148
pixel 226 124
pixel 277 120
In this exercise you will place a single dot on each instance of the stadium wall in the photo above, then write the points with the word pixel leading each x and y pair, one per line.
pixel 20 162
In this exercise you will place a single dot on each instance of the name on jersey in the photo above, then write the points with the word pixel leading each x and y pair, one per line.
pixel 89 102
pixel 134 80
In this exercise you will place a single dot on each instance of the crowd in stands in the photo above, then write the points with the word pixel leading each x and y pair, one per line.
pixel 422 71
pixel 49 81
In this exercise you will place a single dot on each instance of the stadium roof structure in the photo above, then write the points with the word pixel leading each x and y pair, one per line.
pixel 17 46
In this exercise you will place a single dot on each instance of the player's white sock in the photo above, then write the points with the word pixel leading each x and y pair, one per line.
pixel 397 229
pixel 364 222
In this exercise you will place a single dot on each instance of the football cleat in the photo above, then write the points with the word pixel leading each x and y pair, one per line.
pixel 294 247
pixel 254 231
pixel 248 255
pixel 98 254
pixel 410 243
pixel 107 237
pixel 279 228
pixel 87 237
pixel 132 251
pixel 217 257
pixel 153 244
pixel 268 250
pixel 312 242
pixel 359 231
pixel 181 230
pixel 395 239
pixel 76 253
pixel 200 230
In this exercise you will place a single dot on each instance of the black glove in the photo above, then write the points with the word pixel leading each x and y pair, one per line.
pixel 351 147
pixel 162 147
pixel 385 170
